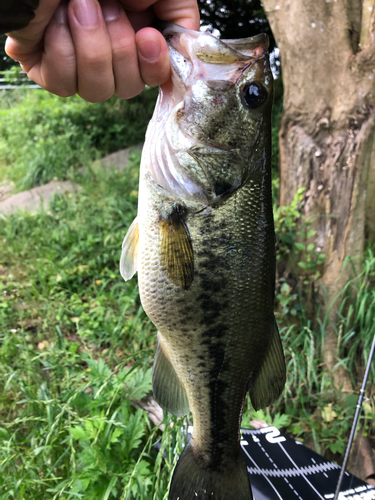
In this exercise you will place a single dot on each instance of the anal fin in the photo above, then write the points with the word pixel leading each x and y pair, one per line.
pixel 168 390
pixel 268 383
pixel 129 255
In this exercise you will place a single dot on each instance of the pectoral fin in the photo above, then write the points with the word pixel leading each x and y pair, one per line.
pixel 177 252
pixel 269 381
pixel 129 255
pixel 167 388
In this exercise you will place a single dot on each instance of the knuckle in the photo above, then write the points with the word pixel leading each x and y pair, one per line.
pixel 128 93
pixel 124 51
pixel 60 90
pixel 64 92
pixel 96 62
pixel 64 53
pixel 60 81
pixel 95 97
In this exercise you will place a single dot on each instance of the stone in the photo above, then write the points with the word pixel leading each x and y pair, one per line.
pixel 33 199
pixel 120 158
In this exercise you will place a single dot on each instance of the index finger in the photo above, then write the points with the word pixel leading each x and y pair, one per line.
pixel 153 53
pixel 183 12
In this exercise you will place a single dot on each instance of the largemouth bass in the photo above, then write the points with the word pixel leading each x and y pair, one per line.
pixel 204 247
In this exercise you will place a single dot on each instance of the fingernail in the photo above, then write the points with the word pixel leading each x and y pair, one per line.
pixel 61 14
pixel 86 12
pixel 111 10
pixel 149 49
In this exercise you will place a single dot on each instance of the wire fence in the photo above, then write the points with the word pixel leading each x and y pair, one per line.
pixel 15 78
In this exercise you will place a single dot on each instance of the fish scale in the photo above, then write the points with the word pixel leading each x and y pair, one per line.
pixel 206 255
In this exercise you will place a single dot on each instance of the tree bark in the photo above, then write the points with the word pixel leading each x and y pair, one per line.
pixel 327 51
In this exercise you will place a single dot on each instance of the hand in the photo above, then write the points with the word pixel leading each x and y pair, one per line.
pixel 98 49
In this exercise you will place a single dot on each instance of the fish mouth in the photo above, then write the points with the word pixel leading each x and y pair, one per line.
pixel 213 50
pixel 218 63
pixel 250 44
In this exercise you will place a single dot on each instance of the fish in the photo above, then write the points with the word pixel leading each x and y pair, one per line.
pixel 203 244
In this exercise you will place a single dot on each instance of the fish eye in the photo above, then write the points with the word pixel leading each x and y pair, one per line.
pixel 253 95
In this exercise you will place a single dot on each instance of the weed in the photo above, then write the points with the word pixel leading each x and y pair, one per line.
pixel 286 220
pixel 356 326
pixel 43 136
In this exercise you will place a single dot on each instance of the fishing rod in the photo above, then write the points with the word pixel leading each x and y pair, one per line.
pixel 355 421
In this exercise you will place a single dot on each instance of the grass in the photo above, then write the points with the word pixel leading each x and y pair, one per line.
pixel 357 312
pixel 43 136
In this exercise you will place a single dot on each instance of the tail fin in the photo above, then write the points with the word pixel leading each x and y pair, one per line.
pixel 191 480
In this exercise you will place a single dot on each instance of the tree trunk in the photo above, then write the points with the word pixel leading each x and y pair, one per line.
pixel 327 51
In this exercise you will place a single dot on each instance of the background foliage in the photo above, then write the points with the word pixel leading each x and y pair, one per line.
pixel 43 136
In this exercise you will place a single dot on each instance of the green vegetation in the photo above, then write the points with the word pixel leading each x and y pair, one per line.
pixel 43 136
pixel 76 347
pixel 316 410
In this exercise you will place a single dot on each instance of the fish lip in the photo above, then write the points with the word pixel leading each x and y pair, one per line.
pixel 250 47
pixel 168 29
pixel 261 40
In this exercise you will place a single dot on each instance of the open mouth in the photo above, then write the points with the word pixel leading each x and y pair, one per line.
pixel 201 56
